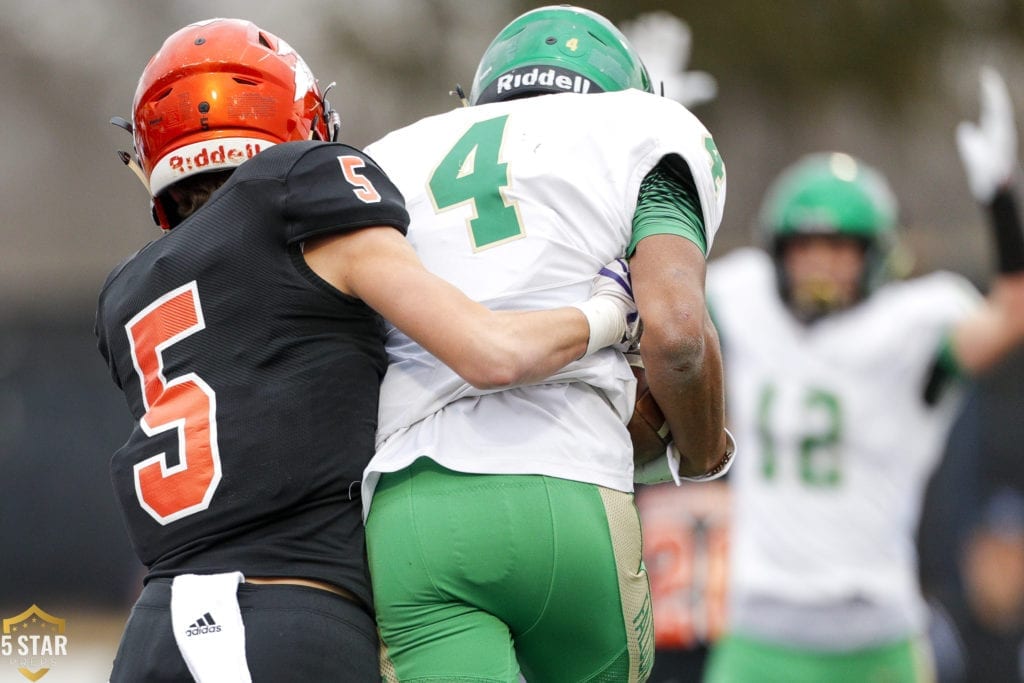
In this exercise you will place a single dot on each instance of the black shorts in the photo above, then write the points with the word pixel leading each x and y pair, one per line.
pixel 292 633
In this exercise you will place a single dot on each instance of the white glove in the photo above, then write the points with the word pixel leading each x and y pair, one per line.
pixel 659 470
pixel 663 42
pixel 988 149
pixel 611 310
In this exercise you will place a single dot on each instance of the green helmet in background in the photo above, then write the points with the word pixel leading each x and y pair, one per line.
pixel 833 194
pixel 559 48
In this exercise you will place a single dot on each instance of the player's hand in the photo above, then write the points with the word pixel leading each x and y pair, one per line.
pixel 613 282
pixel 988 149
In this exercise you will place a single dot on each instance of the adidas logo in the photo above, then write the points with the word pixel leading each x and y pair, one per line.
pixel 204 624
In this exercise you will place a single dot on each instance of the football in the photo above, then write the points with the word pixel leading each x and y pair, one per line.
pixel 647 427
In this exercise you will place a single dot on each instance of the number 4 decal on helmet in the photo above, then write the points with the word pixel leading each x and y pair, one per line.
pixel 186 404
pixel 365 191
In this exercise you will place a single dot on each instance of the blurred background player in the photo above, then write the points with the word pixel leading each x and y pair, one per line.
pixel 843 386
pixel 249 347
pixel 502 525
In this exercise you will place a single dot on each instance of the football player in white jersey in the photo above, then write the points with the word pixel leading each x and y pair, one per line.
pixel 501 526
pixel 842 386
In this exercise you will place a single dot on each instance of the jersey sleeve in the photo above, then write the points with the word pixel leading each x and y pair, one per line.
pixel 103 344
pixel 668 204
pixel 104 341
pixel 333 189
pixel 675 132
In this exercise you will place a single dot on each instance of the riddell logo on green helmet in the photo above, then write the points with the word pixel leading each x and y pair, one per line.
pixel 548 78
pixel 537 80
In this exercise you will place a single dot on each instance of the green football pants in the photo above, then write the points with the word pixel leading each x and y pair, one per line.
pixel 736 659
pixel 475 576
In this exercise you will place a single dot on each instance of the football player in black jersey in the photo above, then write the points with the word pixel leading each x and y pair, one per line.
pixel 248 343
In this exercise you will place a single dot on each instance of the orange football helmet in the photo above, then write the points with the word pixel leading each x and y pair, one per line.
pixel 215 94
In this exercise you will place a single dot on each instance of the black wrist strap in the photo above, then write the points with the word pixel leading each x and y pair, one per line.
pixel 1006 225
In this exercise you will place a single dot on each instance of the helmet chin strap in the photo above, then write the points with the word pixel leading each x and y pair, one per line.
pixel 461 94
pixel 333 118
pixel 127 158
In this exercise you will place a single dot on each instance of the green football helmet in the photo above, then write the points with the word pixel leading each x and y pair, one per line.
pixel 833 194
pixel 559 48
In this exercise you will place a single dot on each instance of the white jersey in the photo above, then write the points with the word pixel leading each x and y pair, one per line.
pixel 567 169
pixel 837 440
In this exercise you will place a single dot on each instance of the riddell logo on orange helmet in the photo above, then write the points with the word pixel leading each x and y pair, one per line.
pixel 207 155
pixel 211 155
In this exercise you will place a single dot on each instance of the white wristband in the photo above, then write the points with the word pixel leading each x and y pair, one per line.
pixel 722 466
pixel 667 468
pixel 607 324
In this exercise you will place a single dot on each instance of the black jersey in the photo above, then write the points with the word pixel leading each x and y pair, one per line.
pixel 254 382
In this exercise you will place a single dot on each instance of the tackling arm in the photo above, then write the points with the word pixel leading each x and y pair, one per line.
pixel 489 349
